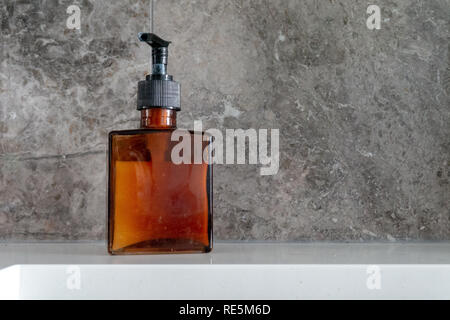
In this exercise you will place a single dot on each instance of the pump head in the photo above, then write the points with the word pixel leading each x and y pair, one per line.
pixel 160 52
pixel 158 90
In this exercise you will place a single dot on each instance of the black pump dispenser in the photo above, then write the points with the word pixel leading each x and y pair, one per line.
pixel 158 90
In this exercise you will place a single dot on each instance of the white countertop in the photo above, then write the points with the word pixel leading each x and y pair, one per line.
pixel 233 270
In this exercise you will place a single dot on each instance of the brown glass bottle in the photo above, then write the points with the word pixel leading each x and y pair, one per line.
pixel 156 206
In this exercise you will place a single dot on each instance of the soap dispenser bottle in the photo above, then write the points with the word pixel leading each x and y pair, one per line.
pixel 154 204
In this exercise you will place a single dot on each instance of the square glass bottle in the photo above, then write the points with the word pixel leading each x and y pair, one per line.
pixel 155 205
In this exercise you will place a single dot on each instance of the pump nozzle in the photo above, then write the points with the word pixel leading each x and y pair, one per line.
pixel 160 52
pixel 153 40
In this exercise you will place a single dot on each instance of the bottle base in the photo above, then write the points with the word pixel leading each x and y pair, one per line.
pixel 162 246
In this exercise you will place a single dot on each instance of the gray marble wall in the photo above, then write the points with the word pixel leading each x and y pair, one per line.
pixel 364 115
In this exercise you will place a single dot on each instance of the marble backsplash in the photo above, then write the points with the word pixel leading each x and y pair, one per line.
pixel 364 115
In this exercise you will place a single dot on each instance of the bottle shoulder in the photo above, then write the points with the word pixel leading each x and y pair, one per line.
pixel 139 131
pixel 130 132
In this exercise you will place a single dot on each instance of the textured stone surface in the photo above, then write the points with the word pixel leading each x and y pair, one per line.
pixel 364 115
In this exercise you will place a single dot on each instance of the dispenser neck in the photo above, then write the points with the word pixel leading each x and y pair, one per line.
pixel 159 60
pixel 158 118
